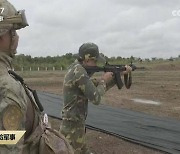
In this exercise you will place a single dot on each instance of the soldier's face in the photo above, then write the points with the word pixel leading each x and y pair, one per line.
pixel 15 40
pixel 90 62
pixel 9 41
pixel 5 41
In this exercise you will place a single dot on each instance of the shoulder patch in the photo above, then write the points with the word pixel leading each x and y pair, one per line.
pixel 11 117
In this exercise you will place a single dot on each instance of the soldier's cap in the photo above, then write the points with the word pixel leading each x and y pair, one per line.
pixel 90 51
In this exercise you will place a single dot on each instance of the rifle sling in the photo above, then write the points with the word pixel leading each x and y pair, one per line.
pixel 35 101
pixel 128 80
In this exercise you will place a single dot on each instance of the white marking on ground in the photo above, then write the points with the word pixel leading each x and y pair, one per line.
pixel 145 101
pixel 177 108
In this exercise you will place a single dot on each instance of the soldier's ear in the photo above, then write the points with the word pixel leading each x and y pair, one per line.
pixel 84 62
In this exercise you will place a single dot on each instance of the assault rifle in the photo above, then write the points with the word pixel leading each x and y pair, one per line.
pixel 116 70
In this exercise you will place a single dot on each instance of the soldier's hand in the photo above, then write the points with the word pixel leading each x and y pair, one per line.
pixel 128 70
pixel 107 76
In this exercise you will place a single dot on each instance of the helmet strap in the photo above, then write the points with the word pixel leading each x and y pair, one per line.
pixel 12 51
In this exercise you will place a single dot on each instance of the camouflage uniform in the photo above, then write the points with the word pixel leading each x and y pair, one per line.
pixel 14 105
pixel 18 112
pixel 18 108
pixel 78 89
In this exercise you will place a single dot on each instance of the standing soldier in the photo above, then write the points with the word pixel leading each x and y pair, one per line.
pixel 78 89
pixel 18 108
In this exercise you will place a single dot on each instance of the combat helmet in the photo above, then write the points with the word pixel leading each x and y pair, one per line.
pixel 10 18
pixel 90 51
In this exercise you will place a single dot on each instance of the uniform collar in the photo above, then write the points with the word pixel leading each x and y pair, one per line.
pixel 5 60
pixel 76 62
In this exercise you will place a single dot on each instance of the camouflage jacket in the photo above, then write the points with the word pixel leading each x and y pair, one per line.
pixel 19 111
pixel 78 88
pixel 14 105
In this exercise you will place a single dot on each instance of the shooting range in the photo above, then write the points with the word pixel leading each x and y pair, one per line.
pixel 151 131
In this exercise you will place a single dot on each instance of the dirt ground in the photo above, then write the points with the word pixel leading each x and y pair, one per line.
pixel 161 84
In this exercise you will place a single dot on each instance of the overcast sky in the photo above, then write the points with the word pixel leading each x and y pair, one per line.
pixel 141 28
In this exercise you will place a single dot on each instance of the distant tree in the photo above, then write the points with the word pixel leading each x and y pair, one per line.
pixel 161 59
pixel 147 59
pixel 154 58
pixel 171 59
pixel 113 58
pixel 119 58
pixel 26 61
pixel 132 58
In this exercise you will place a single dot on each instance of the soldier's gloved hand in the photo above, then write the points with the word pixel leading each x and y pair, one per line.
pixel 128 70
pixel 107 76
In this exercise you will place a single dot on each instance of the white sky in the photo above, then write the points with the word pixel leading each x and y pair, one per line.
pixel 123 28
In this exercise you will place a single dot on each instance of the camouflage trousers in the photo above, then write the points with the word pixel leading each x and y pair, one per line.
pixel 75 133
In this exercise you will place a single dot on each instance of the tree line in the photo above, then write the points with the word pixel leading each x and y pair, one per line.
pixel 26 62
pixel 58 62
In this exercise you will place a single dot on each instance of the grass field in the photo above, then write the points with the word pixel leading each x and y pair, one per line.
pixel 159 82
